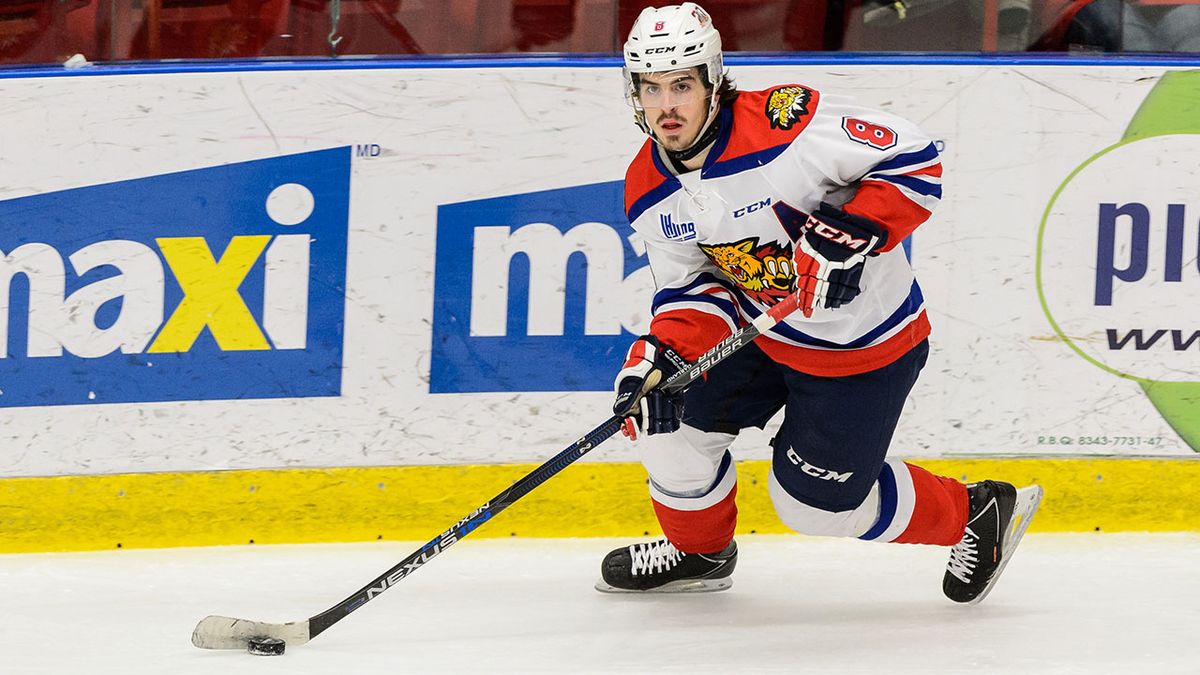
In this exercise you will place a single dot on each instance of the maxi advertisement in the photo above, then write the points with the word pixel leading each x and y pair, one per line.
pixel 310 268
pixel 215 283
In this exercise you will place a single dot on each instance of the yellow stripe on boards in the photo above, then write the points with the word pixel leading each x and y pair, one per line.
pixel 73 513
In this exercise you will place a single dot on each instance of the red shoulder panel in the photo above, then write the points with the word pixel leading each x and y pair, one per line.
pixel 769 118
pixel 642 176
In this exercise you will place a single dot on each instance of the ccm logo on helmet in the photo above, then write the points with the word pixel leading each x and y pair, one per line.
pixel 660 50
pixel 833 234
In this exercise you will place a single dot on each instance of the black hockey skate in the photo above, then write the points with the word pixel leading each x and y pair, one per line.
pixel 998 516
pixel 659 567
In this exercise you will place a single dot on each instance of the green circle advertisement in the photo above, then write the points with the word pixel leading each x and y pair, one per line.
pixel 1118 262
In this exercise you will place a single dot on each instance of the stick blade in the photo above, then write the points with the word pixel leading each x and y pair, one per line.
pixel 223 632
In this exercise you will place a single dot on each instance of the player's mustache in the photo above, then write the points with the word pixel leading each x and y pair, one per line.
pixel 664 118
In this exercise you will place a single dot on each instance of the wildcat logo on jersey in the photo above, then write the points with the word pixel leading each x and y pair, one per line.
pixel 786 105
pixel 216 283
pixel 763 272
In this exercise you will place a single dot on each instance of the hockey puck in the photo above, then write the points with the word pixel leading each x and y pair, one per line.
pixel 265 646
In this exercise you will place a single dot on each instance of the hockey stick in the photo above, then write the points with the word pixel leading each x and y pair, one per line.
pixel 221 632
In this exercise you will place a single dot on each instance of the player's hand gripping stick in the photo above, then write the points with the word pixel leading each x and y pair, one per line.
pixel 645 408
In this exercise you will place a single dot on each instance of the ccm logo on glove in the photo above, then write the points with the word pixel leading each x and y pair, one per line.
pixel 830 255
pixel 840 237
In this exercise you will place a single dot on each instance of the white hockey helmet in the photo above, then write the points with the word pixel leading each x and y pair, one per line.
pixel 675 37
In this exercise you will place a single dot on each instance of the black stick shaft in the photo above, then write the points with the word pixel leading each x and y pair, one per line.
pixel 465 526
pixel 742 337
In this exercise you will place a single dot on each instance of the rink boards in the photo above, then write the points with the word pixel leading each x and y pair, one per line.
pixel 220 283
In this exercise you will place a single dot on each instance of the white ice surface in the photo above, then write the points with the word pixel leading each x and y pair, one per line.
pixel 1096 603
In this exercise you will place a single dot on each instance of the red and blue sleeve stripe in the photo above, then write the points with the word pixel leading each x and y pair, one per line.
pixel 900 193
pixel 693 317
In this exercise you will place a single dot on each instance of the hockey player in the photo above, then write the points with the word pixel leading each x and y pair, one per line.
pixel 743 198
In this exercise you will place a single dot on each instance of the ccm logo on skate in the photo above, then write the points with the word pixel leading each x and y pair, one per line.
pixel 816 471
pixel 206 284
pixel 538 292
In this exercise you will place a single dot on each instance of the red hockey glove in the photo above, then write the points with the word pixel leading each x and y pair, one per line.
pixel 646 408
pixel 830 255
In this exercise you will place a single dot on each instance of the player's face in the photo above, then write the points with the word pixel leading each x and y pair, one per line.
pixel 676 105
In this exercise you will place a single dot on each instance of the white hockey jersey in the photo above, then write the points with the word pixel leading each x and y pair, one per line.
pixel 720 239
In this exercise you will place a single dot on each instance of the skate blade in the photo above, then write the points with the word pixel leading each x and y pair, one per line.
pixel 682 586
pixel 1028 501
